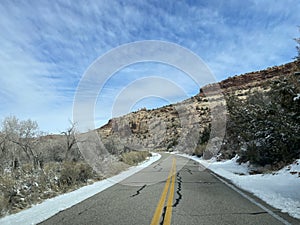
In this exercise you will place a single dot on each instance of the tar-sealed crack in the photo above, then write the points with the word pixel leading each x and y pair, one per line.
pixel 163 215
pixel 158 164
pixel 138 191
pixel 179 195
pixel 83 211
pixel 256 213
pixel 237 213
pixel 189 171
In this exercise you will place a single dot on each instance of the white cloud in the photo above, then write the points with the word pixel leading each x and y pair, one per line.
pixel 47 46
pixel 147 87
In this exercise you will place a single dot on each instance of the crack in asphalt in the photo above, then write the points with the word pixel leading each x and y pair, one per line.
pixel 158 164
pixel 139 191
pixel 189 171
pixel 179 195
pixel 255 213
pixel 177 200
pixel 199 182
pixel 237 213
pixel 83 211
pixel 163 215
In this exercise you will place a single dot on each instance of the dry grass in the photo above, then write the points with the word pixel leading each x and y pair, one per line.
pixel 199 150
pixel 19 189
pixel 134 157
pixel 26 186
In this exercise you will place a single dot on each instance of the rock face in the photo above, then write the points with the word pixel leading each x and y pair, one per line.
pixel 258 78
pixel 161 128
pixel 182 126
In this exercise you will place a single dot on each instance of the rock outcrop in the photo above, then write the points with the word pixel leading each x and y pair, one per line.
pixel 181 126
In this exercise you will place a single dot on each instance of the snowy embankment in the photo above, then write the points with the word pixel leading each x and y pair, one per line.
pixel 50 207
pixel 280 189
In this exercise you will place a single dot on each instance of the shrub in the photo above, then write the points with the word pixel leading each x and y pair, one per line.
pixel 199 150
pixel 266 124
pixel 75 173
pixel 7 192
pixel 202 142
pixel 134 157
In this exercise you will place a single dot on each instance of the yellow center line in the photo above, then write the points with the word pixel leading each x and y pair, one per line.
pixel 161 203
pixel 167 220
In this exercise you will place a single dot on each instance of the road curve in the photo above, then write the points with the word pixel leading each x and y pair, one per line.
pixel 173 190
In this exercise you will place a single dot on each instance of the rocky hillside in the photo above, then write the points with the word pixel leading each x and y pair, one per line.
pixel 187 126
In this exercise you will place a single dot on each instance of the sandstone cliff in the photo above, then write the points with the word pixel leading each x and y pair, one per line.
pixel 183 126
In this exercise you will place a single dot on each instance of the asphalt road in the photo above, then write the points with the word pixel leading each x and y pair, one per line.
pixel 173 190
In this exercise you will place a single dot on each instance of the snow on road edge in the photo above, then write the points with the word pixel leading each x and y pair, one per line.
pixel 279 189
pixel 50 207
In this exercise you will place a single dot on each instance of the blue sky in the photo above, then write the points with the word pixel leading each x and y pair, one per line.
pixel 46 46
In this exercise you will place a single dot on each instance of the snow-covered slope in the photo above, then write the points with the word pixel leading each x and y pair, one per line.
pixel 279 189
pixel 50 207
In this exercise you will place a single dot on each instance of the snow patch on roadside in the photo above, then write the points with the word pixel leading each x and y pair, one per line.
pixel 281 189
pixel 50 207
pixel 297 97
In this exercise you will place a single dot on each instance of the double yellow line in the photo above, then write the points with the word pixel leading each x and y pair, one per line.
pixel 161 203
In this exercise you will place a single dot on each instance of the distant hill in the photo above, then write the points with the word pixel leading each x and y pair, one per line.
pixel 184 125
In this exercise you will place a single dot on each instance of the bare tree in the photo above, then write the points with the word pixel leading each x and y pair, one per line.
pixel 70 138
pixel 4 156
pixel 8 148
pixel 298 47
pixel 24 134
pixel 3 143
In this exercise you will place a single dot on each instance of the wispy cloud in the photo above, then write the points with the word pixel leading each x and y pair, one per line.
pixel 47 46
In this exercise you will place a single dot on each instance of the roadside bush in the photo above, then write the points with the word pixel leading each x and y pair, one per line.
pixel 7 192
pixel 75 173
pixel 134 157
pixel 19 189
pixel 202 142
pixel 266 124
pixel 199 150
pixel 172 144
